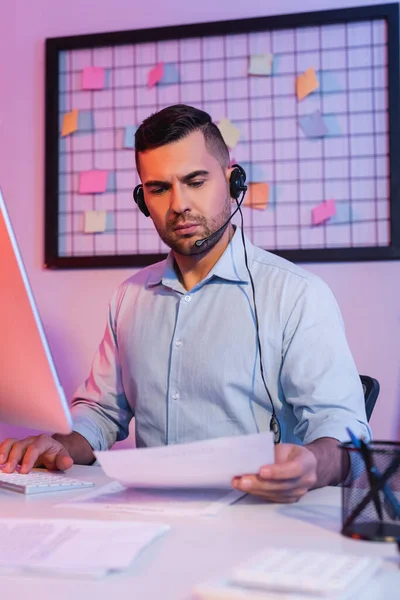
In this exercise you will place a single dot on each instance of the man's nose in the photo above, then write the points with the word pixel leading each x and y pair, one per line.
pixel 178 199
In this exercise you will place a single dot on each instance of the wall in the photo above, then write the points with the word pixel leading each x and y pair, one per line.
pixel 73 303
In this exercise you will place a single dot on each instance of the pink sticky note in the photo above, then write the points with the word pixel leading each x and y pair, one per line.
pixel 92 182
pixel 323 212
pixel 155 74
pixel 93 78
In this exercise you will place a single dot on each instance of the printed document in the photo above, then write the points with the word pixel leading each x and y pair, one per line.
pixel 208 464
pixel 115 497
pixel 69 547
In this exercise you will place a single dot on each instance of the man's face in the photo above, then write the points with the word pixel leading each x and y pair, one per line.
pixel 186 192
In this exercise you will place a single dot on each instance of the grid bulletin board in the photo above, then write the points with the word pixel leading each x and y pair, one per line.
pixel 334 152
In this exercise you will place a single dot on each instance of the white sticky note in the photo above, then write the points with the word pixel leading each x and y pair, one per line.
pixel 95 221
pixel 229 132
pixel 261 64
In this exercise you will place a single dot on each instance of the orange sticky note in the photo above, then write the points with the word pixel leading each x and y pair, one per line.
pixel 70 122
pixel 93 78
pixel 306 83
pixel 155 74
pixel 257 196
pixel 92 182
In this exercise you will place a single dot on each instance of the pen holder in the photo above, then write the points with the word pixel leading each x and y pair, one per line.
pixel 371 493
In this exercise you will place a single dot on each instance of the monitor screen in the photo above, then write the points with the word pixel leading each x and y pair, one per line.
pixel 30 391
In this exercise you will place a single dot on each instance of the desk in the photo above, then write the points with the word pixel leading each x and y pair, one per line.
pixel 196 549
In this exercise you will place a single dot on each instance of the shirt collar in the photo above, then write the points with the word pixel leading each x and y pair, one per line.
pixel 231 266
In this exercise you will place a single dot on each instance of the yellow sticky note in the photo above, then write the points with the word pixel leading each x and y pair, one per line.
pixel 229 132
pixel 70 122
pixel 306 83
pixel 95 221
pixel 261 64
pixel 257 196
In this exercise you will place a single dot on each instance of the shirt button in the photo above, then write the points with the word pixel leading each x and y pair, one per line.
pixel 188 298
pixel 178 343
pixel 175 395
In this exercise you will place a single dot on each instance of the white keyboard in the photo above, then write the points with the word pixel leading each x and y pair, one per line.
pixel 303 572
pixel 39 481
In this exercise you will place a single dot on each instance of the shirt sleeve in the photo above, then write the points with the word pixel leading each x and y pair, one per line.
pixel 100 410
pixel 319 378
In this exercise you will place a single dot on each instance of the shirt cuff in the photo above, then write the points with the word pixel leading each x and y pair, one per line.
pixel 89 430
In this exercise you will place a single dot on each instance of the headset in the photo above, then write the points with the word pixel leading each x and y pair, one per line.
pixel 237 186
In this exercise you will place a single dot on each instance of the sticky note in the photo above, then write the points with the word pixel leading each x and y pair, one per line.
pixel 257 196
pixel 129 136
pixel 155 74
pixel 313 125
pixel 92 182
pixel 255 173
pixel 323 212
pixel 95 221
pixel 229 132
pixel 93 78
pixel 306 83
pixel 70 122
pixel 85 121
pixel 261 64
pixel 170 75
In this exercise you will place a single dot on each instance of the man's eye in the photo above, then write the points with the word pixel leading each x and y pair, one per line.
pixel 157 191
pixel 196 184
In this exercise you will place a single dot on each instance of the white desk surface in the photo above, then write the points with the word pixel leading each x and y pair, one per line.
pixel 197 549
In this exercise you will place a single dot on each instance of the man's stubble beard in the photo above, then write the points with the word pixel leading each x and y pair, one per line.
pixel 208 228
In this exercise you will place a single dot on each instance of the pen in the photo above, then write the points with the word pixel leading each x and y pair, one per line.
pixel 391 504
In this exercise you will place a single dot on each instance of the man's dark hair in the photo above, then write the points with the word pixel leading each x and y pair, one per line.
pixel 176 122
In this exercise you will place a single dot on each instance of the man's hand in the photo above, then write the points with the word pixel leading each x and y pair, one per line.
pixel 292 475
pixel 296 470
pixel 34 451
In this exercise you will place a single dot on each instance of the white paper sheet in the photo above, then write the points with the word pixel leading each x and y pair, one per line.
pixel 114 497
pixel 69 547
pixel 207 464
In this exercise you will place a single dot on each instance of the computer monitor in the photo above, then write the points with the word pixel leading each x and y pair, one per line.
pixel 30 392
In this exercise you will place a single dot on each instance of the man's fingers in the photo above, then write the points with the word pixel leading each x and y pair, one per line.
pixel 272 491
pixel 16 453
pixel 63 460
pixel 46 452
pixel 5 449
pixel 283 471
pixel 254 483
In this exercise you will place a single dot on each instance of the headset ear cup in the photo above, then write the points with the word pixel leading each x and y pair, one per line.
pixel 138 196
pixel 237 181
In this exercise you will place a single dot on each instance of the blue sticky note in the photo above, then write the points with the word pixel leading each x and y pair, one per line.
pixel 344 213
pixel 328 82
pixel 110 221
pixel 332 125
pixel 171 75
pixel 255 173
pixel 313 125
pixel 274 193
pixel 129 136
pixel 107 78
pixel 85 121
pixel 111 182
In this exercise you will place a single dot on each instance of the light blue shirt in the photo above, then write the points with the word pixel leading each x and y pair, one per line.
pixel 186 364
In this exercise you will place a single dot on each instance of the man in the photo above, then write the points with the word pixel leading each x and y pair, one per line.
pixel 180 350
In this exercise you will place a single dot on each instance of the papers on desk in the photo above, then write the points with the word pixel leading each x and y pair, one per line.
pixel 70 547
pixel 114 497
pixel 208 464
